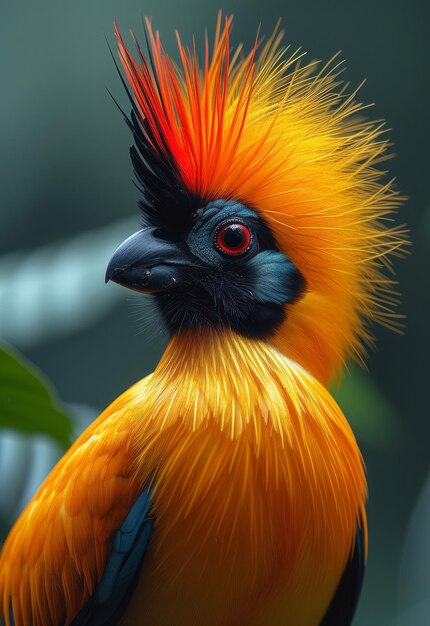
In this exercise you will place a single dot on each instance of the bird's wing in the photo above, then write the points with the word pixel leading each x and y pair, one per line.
pixel 121 571
pixel 72 555
pixel 342 608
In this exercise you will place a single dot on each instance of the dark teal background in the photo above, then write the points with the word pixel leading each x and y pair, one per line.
pixel 64 169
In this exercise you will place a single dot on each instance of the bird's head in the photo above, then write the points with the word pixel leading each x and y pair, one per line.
pixel 264 212
pixel 225 270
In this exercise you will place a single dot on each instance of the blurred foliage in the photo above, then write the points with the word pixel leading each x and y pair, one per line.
pixel 58 288
pixel 371 416
pixel 27 401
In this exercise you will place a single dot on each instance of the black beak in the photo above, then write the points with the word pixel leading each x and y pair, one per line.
pixel 148 263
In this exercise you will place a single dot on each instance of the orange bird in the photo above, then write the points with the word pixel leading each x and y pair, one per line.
pixel 227 488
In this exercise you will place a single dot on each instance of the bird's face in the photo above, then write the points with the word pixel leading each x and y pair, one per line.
pixel 222 269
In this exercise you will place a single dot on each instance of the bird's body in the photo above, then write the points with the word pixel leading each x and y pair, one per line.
pixel 256 491
pixel 239 564
pixel 226 488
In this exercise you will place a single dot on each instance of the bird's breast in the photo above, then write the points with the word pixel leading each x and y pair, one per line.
pixel 258 486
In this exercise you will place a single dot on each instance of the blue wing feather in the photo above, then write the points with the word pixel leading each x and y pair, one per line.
pixel 114 590
pixel 342 608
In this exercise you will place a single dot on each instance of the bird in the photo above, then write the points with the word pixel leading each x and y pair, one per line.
pixel 227 487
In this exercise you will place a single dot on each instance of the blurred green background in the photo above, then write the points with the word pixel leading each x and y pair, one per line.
pixel 67 200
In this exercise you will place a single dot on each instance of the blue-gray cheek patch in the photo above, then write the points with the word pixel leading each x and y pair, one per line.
pixel 275 277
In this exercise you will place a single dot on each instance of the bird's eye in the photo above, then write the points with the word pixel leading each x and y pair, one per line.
pixel 233 238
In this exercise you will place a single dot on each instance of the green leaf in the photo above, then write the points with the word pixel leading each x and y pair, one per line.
pixel 371 416
pixel 28 402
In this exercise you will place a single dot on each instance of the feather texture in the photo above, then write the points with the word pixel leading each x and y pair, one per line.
pixel 121 571
pixel 342 607
pixel 57 551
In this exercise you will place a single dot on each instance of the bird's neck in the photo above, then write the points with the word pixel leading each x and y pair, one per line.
pixel 236 382
pixel 221 376
pixel 214 355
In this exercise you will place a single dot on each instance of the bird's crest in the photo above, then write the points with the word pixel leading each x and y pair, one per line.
pixel 283 137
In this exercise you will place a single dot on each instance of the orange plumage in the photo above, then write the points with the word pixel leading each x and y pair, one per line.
pixel 63 537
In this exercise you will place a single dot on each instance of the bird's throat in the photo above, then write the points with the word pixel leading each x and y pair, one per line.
pixel 242 384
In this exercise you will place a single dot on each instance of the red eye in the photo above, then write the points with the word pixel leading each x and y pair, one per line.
pixel 233 238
